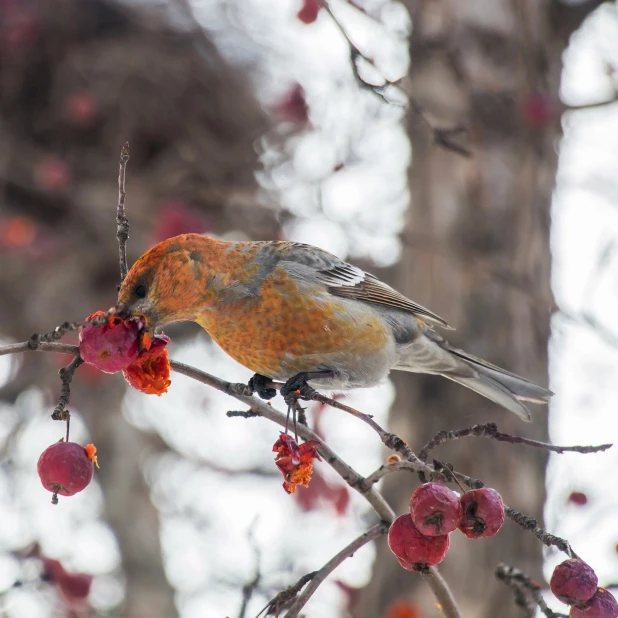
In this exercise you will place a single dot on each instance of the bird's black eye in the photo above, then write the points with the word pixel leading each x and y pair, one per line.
pixel 140 291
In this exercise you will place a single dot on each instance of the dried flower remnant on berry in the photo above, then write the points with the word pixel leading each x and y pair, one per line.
pixel 91 452
pixel 295 462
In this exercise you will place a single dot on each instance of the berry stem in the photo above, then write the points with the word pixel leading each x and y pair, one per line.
pixel 66 375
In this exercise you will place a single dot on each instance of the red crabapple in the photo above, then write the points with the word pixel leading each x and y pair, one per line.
pixel 65 468
pixel 573 581
pixel 435 509
pixel 110 347
pixel 483 513
pixel 413 548
pixel 601 605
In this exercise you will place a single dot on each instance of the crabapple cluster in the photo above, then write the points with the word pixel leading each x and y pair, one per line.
pixel 420 538
pixel 575 583
pixel 66 468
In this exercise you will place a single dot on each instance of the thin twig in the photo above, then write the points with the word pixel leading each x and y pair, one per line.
pixel 37 340
pixel 442 137
pixel 490 430
pixel 60 348
pixel 388 468
pixel 588 319
pixel 320 575
pixel 241 414
pixel 520 582
pixel 530 524
pixel 250 587
pixel 122 223
pixel 285 597
pixel 60 331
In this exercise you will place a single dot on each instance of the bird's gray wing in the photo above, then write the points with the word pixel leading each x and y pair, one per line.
pixel 348 281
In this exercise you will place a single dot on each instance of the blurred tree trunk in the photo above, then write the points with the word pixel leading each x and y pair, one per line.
pixel 476 251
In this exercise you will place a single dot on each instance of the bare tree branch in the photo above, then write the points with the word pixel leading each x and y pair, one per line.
pixel 490 430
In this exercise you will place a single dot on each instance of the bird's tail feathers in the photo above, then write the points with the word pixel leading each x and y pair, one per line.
pixel 501 386
pixel 431 354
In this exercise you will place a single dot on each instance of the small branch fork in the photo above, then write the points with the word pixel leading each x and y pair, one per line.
pixel 523 587
pixel 442 137
pixel 319 576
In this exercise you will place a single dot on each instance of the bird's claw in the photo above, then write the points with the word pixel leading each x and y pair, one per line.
pixel 297 388
pixel 258 385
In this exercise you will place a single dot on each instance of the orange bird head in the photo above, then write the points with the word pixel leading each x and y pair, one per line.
pixel 168 283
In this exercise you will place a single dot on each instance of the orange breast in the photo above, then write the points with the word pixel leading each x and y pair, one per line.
pixel 294 325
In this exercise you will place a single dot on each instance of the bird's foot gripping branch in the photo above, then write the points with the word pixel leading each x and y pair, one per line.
pixel 419 539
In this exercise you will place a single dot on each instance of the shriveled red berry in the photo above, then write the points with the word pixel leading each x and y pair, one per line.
pixel 483 513
pixel 435 509
pixel 65 468
pixel 573 581
pixel 413 548
pixel 602 605
pixel 109 347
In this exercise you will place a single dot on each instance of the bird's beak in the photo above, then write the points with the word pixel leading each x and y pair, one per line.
pixel 121 311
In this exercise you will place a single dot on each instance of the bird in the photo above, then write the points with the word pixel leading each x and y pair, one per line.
pixel 296 313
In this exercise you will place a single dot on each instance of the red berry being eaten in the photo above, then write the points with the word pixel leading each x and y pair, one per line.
pixel 111 346
pixel 65 468
pixel 435 509
pixel 602 605
pixel 573 581
pixel 413 548
pixel 483 513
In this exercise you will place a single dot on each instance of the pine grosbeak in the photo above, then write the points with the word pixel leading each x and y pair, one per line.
pixel 283 308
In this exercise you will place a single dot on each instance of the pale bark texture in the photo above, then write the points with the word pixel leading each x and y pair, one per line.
pixel 476 251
